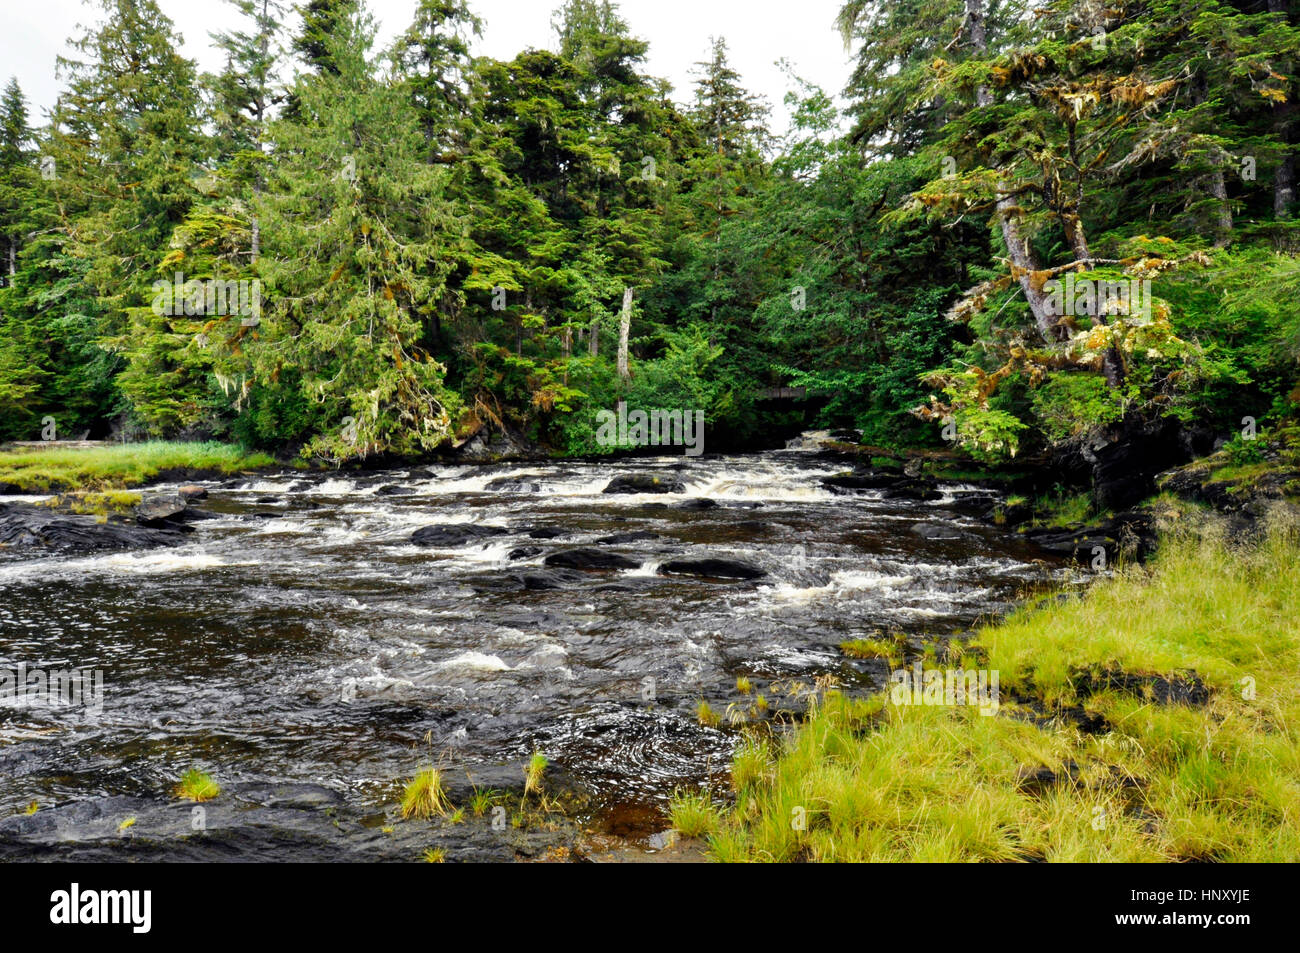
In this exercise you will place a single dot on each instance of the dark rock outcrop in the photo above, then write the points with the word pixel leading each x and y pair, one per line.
pixel 920 490
pixel 546 532
pixel 644 483
pixel 590 559
pixel 1126 457
pixel 847 483
pixel 699 503
pixel 455 534
pixel 23 526
pixel 632 537
pixel 1129 535
pixel 711 568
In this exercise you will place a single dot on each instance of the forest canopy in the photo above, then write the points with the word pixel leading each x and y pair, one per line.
pixel 1036 219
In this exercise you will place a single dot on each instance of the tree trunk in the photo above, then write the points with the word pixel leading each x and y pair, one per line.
pixel 594 341
pixel 1023 265
pixel 624 326
pixel 1284 188
pixel 1021 256
pixel 1223 213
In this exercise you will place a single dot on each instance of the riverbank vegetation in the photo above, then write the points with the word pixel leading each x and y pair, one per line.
pixel 117 466
pixel 1151 719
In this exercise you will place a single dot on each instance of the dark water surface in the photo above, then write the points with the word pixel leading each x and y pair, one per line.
pixel 300 648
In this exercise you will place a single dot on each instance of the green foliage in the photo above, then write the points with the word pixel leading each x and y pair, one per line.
pixel 1067 405
pixel 442 241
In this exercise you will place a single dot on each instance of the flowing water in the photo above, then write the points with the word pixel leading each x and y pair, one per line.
pixel 299 641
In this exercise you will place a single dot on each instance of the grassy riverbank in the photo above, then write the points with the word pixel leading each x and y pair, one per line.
pixel 1105 747
pixel 116 466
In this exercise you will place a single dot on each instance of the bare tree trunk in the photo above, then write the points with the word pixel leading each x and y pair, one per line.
pixel 594 341
pixel 624 326
pixel 1023 265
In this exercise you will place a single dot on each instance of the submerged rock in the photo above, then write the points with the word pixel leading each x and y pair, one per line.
pixel 713 568
pixel 455 534
pixel 644 483
pixel 936 531
pixel 632 537
pixel 591 559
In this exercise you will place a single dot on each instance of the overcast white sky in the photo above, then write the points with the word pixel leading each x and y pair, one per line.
pixel 758 32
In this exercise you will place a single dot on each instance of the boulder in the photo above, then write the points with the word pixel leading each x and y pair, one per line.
pixel 845 483
pixel 712 568
pixel 455 534
pixel 921 490
pixel 159 511
pixel 192 492
pixel 633 537
pixel 644 483
pixel 392 490
pixel 545 532
pixel 700 503
pixel 590 559
pixel 515 484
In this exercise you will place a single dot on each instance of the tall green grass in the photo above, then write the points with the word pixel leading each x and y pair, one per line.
pixel 120 465
pixel 866 780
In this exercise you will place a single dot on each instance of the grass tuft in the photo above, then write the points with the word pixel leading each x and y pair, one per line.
pixel 196 785
pixel 533 772
pixel 424 796
pixel 693 813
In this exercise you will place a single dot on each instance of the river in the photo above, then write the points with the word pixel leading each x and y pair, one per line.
pixel 304 651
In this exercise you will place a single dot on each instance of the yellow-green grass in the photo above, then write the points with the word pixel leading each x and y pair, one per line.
pixel 424 796
pixel 117 466
pixel 866 779
pixel 1065 509
pixel 869 648
pixel 693 813
pixel 706 716
pixel 196 785
pixel 533 772
pixel 90 502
